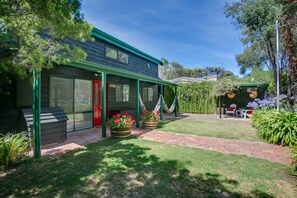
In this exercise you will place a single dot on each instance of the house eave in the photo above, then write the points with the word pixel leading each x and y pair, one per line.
pixel 95 67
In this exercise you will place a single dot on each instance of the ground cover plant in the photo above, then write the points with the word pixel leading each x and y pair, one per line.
pixel 13 148
pixel 140 168
pixel 229 129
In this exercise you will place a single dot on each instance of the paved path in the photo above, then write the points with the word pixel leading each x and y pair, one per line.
pixel 255 149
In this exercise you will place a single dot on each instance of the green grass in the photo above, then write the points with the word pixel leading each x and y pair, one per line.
pixel 229 129
pixel 140 168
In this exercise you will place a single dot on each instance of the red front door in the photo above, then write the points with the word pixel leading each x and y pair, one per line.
pixel 97 103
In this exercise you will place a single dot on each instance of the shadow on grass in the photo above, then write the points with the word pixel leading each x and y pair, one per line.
pixel 113 168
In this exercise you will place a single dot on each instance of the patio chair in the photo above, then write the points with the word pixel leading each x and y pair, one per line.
pixel 231 110
pixel 247 113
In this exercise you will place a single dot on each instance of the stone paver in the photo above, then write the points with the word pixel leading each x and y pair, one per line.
pixel 255 149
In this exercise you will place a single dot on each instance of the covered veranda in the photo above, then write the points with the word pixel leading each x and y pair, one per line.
pixel 103 71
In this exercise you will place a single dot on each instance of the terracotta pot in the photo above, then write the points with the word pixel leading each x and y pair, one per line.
pixel 150 124
pixel 120 133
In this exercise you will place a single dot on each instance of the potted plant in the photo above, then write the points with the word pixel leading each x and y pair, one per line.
pixel 120 125
pixel 150 119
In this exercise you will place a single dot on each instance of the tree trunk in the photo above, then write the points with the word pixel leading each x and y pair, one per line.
pixel 289 20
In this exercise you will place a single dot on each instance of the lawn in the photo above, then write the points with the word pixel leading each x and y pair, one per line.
pixel 140 168
pixel 229 129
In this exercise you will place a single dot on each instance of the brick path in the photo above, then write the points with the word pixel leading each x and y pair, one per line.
pixel 255 149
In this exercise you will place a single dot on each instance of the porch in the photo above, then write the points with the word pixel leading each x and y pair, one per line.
pixel 78 140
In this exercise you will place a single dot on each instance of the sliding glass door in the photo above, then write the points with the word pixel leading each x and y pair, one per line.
pixel 75 97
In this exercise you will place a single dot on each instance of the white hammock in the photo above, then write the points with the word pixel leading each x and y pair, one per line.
pixel 158 105
pixel 165 107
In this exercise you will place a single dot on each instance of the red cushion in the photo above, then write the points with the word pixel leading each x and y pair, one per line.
pixel 230 109
pixel 249 112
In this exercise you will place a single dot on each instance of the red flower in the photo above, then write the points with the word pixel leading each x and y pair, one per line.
pixel 114 116
pixel 141 115
pixel 124 116
pixel 130 116
pixel 133 121
pixel 118 115
pixel 126 113
pixel 117 122
pixel 146 111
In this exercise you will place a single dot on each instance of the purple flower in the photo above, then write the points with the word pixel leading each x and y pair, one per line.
pixel 253 105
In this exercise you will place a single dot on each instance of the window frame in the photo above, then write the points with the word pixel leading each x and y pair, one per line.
pixel 122 93
pixel 118 52
pixel 146 94
pixel 73 112
pixel 109 48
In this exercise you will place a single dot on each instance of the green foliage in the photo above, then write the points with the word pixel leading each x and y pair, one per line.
pixel 150 116
pixel 119 121
pixel 276 127
pixel 196 98
pixel 13 148
pixel 261 76
pixel 172 70
pixel 169 95
pixel 252 57
pixel 256 19
pixel 33 35
pixel 224 85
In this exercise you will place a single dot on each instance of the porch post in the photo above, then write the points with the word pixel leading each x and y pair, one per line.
pixel 175 108
pixel 137 103
pixel 36 106
pixel 161 102
pixel 103 103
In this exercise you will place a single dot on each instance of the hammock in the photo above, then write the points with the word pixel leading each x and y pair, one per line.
pixel 158 105
pixel 165 107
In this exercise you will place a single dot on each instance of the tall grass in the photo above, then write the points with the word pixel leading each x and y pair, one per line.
pixel 13 148
pixel 193 98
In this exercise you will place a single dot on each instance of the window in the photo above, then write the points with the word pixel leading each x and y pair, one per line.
pixel 111 53
pixel 150 94
pixel 147 94
pixel 123 58
pixel 126 93
pixel 122 93
pixel 116 55
pixel 74 96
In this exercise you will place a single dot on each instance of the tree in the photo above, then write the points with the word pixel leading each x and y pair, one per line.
pixel 289 29
pixel 256 18
pixel 33 35
pixel 252 57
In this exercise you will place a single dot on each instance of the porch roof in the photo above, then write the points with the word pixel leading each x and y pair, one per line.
pixel 95 67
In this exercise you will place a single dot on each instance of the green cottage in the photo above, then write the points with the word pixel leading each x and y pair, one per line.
pixel 84 94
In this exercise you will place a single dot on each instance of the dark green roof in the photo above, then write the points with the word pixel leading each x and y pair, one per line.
pixel 255 85
pixel 110 39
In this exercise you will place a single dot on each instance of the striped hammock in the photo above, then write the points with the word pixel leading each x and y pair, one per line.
pixel 158 105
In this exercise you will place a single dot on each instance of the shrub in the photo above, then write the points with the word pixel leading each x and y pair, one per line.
pixel 13 148
pixel 276 127
pixel 196 98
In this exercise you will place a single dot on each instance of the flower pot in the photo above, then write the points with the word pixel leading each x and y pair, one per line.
pixel 150 124
pixel 120 133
